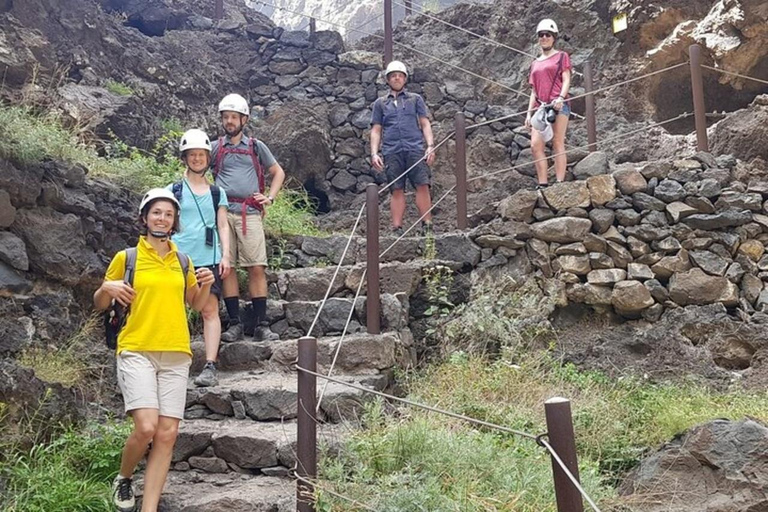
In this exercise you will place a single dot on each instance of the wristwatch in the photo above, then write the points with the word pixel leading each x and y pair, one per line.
pixel 271 199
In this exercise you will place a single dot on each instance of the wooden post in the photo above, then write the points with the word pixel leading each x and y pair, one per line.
pixel 590 108
pixel 408 7
pixel 461 171
pixel 218 11
pixel 306 442
pixel 699 108
pixel 388 44
pixel 312 28
pixel 562 440
pixel 373 300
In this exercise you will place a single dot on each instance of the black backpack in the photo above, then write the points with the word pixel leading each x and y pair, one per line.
pixel 115 316
pixel 215 196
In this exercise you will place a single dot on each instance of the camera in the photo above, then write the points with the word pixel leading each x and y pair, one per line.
pixel 551 115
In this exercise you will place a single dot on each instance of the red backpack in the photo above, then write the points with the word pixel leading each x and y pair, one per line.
pixel 224 150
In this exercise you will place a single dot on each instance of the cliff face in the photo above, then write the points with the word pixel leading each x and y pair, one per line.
pixel 351 19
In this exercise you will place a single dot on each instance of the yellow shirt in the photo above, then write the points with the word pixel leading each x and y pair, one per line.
pixel 158 317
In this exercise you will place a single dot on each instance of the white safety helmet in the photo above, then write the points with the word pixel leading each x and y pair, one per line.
pixel 396 65
pixel 234 103
pixel 194 139
pixel 155 194
pixel 547 25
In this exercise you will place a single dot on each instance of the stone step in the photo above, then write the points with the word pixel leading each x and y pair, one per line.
pixel 292 319
pixel 247 447
pixel 312 251
pixel 360 354
pixel 266 396
pixel 310 284
pixel 193 491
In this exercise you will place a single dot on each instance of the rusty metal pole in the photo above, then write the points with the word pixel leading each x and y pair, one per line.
pixel 388 45
pixel 218 11
pixel 563 441
pixel 590 108
pixel 408 7
pixel 306 436
pixel 461 171
pixel 699 107
pixel 312 28
pixel 373 300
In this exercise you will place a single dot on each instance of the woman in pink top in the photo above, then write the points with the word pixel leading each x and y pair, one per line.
pixel 550 78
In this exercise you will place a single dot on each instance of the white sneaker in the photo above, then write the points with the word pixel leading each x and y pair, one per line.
pixel 123 495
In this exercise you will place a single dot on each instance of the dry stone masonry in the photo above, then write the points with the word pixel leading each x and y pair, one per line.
pixel 643 238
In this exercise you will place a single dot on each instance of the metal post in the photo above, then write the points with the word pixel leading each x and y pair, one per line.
pixel 699 108
pixel 388 45
pixel 312 28
pixel 218 11
pixel 461 171
pixel 408 7
pixel 306 442
pixel 562 440
pixel 590 108
pixel 373 300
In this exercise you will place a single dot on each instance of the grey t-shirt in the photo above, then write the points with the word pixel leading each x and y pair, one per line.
pixel 237 175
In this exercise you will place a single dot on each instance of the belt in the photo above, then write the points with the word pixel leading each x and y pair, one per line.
pixel 250 201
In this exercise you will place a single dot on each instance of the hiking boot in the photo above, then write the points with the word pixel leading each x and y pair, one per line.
pixel 207 377
pixel 122 494
pixel 427 229
pixel 234 333
pixel 398 231
pixel 264 333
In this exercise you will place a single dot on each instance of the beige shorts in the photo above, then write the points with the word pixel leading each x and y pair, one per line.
pixel 154 380
pixel 248 250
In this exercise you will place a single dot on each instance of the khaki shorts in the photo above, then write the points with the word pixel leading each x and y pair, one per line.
pixel 248 250
pixel 154 380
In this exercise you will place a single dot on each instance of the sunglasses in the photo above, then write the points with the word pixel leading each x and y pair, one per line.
pixel 545 34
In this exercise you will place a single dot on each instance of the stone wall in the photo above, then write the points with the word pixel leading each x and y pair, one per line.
pixel 641 239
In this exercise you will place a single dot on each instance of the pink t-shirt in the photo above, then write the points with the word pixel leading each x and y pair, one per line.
pixel 542 73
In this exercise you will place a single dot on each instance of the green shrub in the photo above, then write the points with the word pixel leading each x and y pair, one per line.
pixel 27 137
pixel 292 214
pixel 423 463
pixel 71 474
pixel 118 88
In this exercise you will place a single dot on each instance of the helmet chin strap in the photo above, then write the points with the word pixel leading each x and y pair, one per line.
pixel 161 235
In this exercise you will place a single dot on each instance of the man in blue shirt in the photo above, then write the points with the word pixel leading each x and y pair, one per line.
pixel 399 128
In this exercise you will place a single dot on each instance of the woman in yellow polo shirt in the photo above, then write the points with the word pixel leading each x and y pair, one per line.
pixel 153 352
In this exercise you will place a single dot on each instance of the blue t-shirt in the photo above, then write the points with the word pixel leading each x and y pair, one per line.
pixel 400 122
pixel 191 238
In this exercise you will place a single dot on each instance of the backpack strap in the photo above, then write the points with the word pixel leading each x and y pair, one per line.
pixel 216 199
pixel 184 262
pixel 219 157
pixel 257 163
pixel 130 265
pixel 176 188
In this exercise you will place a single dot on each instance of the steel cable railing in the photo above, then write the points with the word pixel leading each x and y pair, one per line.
pixel 738 75
pixel 397 43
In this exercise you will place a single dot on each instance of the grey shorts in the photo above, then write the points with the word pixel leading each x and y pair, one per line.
pixel 397 163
